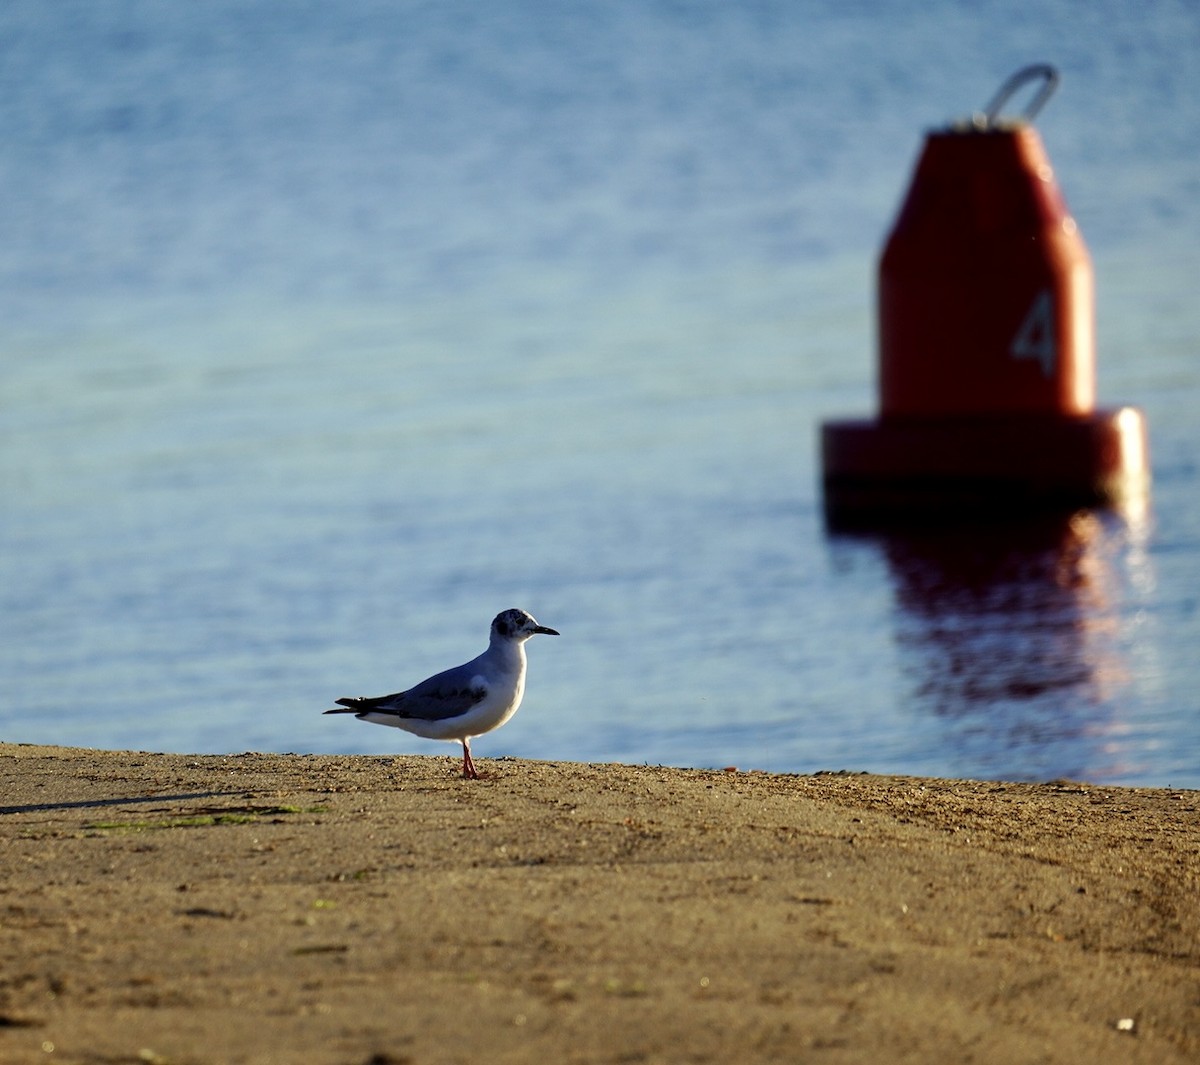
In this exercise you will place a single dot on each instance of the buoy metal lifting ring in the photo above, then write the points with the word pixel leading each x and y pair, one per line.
pixel 989 118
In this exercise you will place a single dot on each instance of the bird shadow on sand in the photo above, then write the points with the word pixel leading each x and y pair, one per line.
pixel 98 803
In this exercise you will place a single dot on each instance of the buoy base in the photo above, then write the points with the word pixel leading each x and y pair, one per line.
pixel 915 469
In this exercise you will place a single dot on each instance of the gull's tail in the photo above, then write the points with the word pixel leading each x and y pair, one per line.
pixel 360 704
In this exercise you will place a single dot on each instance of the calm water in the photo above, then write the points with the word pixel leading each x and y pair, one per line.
pixel 329 331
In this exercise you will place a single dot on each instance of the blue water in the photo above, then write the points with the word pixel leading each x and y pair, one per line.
pixel 328 331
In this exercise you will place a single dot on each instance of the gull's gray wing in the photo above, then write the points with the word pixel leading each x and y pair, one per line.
pixel 442 696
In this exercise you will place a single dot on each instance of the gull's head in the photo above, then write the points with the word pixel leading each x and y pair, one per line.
pixel 518 625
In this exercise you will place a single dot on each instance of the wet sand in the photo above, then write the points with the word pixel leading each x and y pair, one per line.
pixel 352 910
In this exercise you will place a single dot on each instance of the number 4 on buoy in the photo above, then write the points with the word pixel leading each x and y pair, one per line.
pixel 1035 339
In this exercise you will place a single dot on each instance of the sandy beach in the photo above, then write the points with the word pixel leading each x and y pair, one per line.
pixel 370 911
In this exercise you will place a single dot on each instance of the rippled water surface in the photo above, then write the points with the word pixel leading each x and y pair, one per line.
pixel 328 332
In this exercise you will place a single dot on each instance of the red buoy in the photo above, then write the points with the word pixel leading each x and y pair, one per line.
pixel 986 343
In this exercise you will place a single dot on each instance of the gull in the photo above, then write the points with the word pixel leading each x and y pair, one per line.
pixel 465 701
